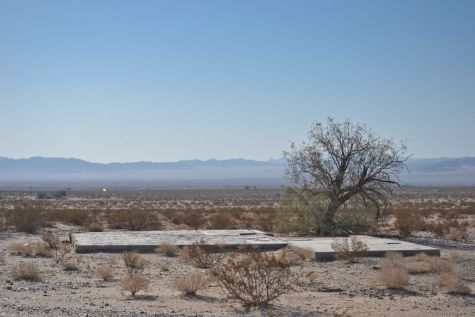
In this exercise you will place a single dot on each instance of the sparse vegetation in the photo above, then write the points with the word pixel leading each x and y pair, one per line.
pixel 26 271
pixel 201 255
pixel 134 283
pixel 133 262
pixel 105 272
pixel 168 250
pixel 191 284
pixel 349 249
pixel 255 279
pixel 392 273
pixel 451 282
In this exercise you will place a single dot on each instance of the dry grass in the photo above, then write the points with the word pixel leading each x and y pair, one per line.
pixel 26 271
pixel 168 250
pixel 452 283
pixel 255 279
pixel 30 249
pixel 105 272
pixel 201 255
pixel 71 264
pixel 349 249
pixel 133 219
pixel 133 262
pixel 189 285
pixel 134 283
pixel 392 274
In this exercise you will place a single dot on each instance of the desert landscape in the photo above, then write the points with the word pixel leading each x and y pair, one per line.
pixel 92 284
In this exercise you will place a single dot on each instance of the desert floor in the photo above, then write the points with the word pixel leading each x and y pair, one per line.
pixel 340 288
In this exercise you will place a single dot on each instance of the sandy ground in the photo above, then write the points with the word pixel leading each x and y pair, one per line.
pixel 340 289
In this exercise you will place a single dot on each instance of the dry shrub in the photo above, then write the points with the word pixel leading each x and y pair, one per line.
pixel 349 249
pixel 201 256
pixel 28 220
pixel 133 219
pixel 2 258
pixel 408 221
pixel 221 220
pixel 70 264
pixel 95 227
pixel 105 272
pixel 167 250
pixel 57 249
pixel 3 221
pixel 456 233
pixel 26 271
pixel 133 262
pixel 435 264
pixel 191 284
pixel 39 248
pixel 255 279
pixel 392 274
pixel 452 283
pixel 134 283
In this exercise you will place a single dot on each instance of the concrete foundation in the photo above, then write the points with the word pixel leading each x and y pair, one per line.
pixel 322 250
pixel 147 241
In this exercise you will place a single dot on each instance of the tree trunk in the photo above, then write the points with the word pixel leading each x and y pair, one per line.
pixel 328 225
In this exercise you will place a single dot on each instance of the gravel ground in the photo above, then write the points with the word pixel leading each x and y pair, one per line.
pixel 340 289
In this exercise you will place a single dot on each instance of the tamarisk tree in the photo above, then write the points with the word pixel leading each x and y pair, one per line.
pixel 344 163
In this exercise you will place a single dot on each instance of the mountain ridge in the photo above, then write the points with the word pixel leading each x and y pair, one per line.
pixel 422 171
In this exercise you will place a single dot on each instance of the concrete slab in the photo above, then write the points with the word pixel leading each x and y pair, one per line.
pixel 321 247
pixel 147 241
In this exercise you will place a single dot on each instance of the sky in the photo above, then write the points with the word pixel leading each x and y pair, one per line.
pixel 118 81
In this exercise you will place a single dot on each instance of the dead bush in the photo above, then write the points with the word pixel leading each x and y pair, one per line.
pixel 70 264
pixel 57 249
pixel 349 249
pixel 392 275
pixel 2 258
pixel 167 250
pixel 201 255
pixel 26 271
pixel 3 221
pixel 452 283
pixel 191 284
pixel 105 272
pixel 134 283
pixel 255 279
pixel 28 220
pixel 133 262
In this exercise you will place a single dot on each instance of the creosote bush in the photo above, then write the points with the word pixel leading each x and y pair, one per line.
pixel 26 271
pixel 191 284
pixel 255 279
pixel 134 283
pixel 349 249
pixel 201 255
pixel 133 262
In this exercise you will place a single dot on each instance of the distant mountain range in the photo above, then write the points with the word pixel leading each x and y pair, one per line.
pixel 41 171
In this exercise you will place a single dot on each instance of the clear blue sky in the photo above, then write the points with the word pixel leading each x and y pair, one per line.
pixel 170 80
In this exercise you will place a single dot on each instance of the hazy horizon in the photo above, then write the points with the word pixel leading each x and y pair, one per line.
pixel 162 81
